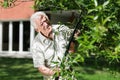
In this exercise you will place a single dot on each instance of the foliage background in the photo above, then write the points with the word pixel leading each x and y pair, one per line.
pixel 100 31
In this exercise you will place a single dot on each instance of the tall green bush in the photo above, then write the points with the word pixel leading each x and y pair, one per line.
pixel 100 33
pixel 101 30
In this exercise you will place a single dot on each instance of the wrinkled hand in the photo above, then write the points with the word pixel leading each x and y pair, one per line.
pixel 56 69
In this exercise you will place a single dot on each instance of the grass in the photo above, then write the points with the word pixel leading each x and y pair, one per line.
pixel 18 69
pixel 89 73
pixel 22 69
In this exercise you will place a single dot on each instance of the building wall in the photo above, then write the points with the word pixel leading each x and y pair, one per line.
pixel 21 9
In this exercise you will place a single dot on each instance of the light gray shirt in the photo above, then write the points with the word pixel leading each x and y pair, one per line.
pixel 49 52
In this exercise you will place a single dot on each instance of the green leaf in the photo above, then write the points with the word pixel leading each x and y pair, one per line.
pixel 5 4
pixel 107 19
pixel 92 10
pixel 105 4
pixel 95 18
pixel 96 3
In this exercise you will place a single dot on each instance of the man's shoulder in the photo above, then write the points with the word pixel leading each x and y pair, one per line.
pixel 55 26
pixel 36 40
pixel 60 27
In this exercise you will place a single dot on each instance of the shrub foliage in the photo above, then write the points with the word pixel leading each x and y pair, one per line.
pixel 100 33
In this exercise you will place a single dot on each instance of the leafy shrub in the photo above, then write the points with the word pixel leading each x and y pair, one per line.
pixel 100 33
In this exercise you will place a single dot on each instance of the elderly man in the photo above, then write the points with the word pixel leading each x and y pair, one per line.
pixel 49 44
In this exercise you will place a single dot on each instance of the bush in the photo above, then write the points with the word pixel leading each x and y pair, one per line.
pixel 100 32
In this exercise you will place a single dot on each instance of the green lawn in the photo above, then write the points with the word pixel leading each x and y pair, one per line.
pixel 18 69
pixel 22 69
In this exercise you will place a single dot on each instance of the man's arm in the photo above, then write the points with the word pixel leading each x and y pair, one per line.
pixel 72 47
pixel 47 71
pixel 73 42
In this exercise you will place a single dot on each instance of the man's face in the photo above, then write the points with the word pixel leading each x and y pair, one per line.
pixel 44 26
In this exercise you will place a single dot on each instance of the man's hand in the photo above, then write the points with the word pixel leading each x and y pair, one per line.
pixel 57 72
pixel 56 69
pixel 77 33
pixel 47 71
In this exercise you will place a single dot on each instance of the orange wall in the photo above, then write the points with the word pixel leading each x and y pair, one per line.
pixel 21 10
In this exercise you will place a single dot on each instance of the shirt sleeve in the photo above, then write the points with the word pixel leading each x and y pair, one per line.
pixel 66 31
pixel 37 55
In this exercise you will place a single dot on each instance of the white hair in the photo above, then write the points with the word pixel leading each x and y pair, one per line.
pixel 36 16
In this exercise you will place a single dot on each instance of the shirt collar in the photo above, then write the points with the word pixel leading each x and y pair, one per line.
pixel 44 39
pixel 41 37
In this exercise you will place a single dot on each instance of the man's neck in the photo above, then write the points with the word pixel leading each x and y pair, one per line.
pixel 50 36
